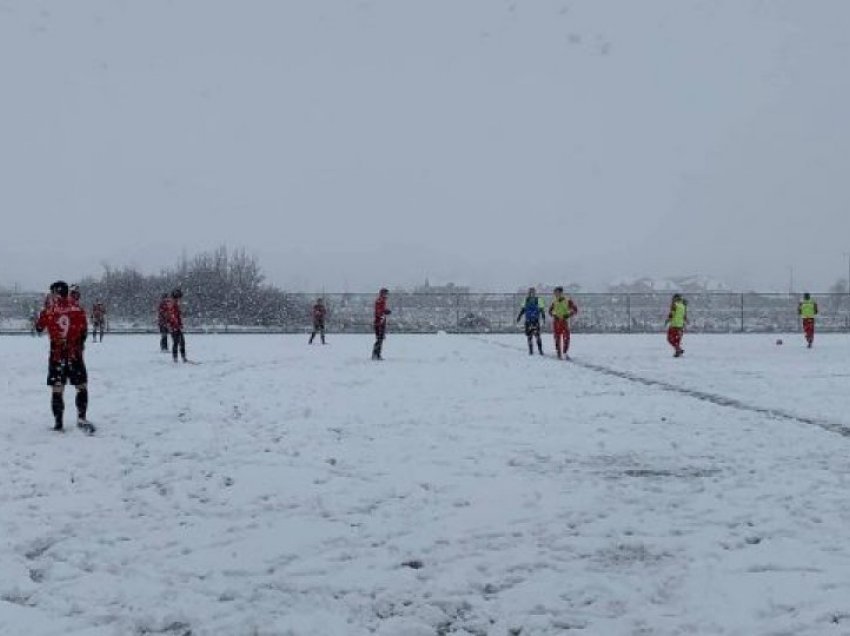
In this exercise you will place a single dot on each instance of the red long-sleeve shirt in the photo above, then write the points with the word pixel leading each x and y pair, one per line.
pixel 67 326
pixel 381 310
pixel 173 315
pixel 162 313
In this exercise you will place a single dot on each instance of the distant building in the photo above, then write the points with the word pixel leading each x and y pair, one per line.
pixel 643 285
pixel 699 284
pixel 647 285
pixel 448 288
pixel 545 289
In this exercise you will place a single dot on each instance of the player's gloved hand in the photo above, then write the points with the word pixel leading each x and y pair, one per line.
pixel 387 312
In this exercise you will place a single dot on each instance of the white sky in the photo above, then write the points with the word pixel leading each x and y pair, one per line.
pixel 355 144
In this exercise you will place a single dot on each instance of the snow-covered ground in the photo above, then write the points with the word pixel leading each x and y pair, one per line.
pixel 459 487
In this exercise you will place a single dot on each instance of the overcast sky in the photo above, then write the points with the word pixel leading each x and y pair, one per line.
pixel 495 143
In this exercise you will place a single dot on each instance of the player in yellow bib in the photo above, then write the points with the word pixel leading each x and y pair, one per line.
pixel 562 309
pixel 677 319
pixel 808 309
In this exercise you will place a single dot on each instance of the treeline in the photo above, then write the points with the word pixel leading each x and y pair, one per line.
pixel 219 287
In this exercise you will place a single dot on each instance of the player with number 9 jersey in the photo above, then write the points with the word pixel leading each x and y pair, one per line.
pixel 66 324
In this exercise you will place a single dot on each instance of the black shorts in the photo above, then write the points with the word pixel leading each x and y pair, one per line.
pixel 65 371
pixel 318 325
pixel 532 328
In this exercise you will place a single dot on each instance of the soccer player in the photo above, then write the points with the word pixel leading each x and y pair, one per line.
pixel 174 318
pixel 807 310
pixel 561 310
pixel 74 294
pixel 65 322
pixel 33 320
pixel 533 311
pixel 98 314
pixel 49 297
pixel 162 322
pixel 677 318
pixel 380 322
pixel 319 312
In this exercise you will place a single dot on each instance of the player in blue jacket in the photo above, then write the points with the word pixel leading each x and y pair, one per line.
pixel 535 314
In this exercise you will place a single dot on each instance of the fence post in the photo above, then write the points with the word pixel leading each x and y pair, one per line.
pixel 457 313
pixel 742 313
pixel 629 312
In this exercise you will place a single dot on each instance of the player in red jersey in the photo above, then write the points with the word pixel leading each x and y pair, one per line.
pixel 65 322
pixel 380 323
pixel 319 313
pixel 98 314
pixel 49 297
pixel 162 323
pixel 74 294
pixel 174 320
pixel 33 320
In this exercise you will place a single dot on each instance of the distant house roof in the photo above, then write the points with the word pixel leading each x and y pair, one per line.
pixel 447 288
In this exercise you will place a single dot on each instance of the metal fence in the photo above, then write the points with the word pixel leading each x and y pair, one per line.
pixel 489 312
pixel 599 313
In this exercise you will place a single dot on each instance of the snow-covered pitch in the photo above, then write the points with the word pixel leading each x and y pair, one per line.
pixel 459 487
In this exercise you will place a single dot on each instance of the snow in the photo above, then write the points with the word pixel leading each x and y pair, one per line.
pixel 459 487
